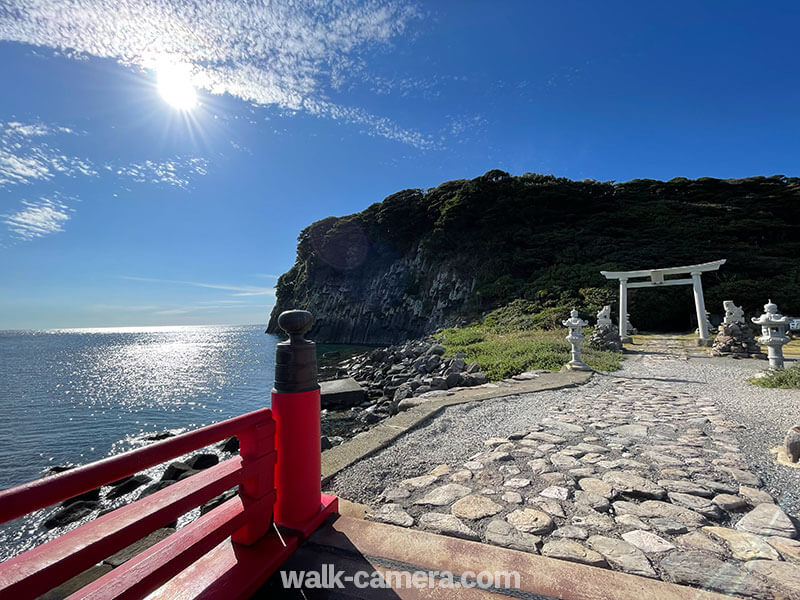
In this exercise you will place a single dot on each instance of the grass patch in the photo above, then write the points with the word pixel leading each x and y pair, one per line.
pixel 786 378
pixel 502 354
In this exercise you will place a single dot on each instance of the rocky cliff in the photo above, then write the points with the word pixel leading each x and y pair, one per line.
pixel 421 260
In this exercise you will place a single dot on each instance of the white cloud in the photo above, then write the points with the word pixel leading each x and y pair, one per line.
pixel 177 172
pixel 25 158
pixel 37 219
pixel 290 54
pixel 241 290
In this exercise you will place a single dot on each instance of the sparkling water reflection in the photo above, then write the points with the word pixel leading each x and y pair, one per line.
pixel 73 396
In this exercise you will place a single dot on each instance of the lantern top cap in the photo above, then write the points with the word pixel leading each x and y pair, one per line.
pixel 296 323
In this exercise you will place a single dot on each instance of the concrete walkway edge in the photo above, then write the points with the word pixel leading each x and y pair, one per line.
pixel 367 443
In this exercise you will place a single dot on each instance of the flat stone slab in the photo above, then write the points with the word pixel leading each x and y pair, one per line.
pixel 767 519
pixel 646 541
pixel 622 555
pixel 504 534
pixel 783 578
pixel 341 393
pixel 632 484
pixel 709 572
pixel 529 520
pixel 447 525
pixel 393 514
pixel 444 495
pixel 474 507
pixel 573 552
pixel 743 545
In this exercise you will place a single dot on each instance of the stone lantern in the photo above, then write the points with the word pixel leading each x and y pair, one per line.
pixel 773 334
pixel 575 337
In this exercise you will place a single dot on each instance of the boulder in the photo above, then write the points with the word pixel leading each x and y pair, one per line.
pixel 175 470
pixel 128 486
pixel 70 514
pixel 201 461
pixel 91 495
pixel 341 393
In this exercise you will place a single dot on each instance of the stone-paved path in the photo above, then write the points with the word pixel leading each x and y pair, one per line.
pixel 640 477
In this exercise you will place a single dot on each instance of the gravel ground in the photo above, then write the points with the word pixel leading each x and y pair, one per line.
pixel 459 432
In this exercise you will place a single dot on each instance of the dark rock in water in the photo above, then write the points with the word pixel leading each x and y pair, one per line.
pixel 175 470
pixel 70 514
pixel 341 393
pixel 61 468
pixel 218 501
pixel 231 445
pixel 202 461
pixel 91 495
pixel 332 354
pixel 186 474
pixel 138 546
pixel 127 486
pixel 156 487
pixel 119 481
pixel 162 435
pixel 325 443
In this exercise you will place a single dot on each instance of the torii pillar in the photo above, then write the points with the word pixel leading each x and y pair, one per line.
pixel 657 278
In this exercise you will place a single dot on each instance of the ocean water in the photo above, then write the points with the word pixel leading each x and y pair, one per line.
pixel 78 395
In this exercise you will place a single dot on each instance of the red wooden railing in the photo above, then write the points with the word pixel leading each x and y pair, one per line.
pixel 226 553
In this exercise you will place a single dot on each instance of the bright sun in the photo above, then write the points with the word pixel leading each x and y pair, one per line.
pixel 175 85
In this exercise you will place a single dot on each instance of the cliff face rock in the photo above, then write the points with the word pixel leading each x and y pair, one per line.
pixel 380 302
pixel 425 259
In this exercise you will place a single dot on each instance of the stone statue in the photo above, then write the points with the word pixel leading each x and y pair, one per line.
pixel 792 444
pixel 735 337
pixel 605 336
pixel 733 313
pixel 604 316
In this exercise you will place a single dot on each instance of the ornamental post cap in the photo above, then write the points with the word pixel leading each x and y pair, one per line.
pixel 574 313
pixel 770 307
pixel 296 323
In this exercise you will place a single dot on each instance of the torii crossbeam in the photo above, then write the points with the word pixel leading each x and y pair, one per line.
pixel 657 278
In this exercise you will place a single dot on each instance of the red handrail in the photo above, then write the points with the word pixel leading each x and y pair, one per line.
pixel 28 497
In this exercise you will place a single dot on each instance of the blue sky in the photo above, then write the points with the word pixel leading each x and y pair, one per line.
pixel 118 209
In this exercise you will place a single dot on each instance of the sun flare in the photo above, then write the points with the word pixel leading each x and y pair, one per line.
pixel 175 85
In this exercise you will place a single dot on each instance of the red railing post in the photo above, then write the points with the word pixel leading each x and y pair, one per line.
pixel 296 410
pixel 255 443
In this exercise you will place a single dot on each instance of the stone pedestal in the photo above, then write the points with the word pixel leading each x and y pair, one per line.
pixel 737 341
pixel 606 337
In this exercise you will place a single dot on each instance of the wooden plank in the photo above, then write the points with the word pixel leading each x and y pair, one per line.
pixel 229 571
pixel 146 572
pixel 28 497
pixel 34 572
pixel 232 572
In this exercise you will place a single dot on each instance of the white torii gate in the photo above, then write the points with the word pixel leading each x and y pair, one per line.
pixel 657 279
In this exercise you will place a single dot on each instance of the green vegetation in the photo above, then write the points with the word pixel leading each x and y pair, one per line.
pixel 787 378
pixel 512 339
pixel 543 240
pixel 502 355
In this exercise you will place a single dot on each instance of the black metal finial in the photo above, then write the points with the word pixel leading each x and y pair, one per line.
pixel 296 323
pixel 296 358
